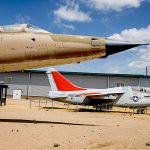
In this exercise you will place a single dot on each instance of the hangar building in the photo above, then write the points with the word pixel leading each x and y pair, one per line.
pixel 35 83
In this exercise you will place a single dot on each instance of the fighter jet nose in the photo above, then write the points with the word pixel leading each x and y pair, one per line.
pixel 114 46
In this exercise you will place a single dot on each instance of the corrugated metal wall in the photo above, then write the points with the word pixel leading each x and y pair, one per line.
pixel 144 82
pixel 37 84
pixel 88 81
pixel 12 87
pixel 128 81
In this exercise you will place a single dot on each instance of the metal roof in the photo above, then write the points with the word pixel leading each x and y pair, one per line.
pixel 88 73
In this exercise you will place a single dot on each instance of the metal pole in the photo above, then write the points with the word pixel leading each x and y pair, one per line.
pixel 46 103
pixel 68 106
pixel 108 81
pixel 146 70
pixel 39 103
pixel 52 104
pixel 5 94
pixel 133 110
pixel 77 107
pixel 28 85
pixel 30 103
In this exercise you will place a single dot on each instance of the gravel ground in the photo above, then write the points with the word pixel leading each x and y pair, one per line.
pixel 22 127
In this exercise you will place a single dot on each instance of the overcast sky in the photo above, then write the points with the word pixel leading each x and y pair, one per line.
pixel 117 19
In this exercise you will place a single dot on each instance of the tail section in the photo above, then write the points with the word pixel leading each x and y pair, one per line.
pixel 60 83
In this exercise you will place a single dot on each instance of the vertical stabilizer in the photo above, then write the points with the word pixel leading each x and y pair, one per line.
pixel 60 83
pixel 51 79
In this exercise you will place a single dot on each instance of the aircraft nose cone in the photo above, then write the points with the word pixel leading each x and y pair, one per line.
pixel 114 46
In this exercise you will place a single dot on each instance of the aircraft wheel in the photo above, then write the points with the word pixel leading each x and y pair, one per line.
pixel 98 108
pixel 139 111
pixel 142 111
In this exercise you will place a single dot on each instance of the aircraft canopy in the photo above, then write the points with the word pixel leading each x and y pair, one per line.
pixel 141 89
pixel 21 28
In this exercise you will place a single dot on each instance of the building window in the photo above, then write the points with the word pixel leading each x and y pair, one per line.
pixel 8 80
pixel 120 84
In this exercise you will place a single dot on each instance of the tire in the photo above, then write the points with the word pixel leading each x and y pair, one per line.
pixel 98 108
pixel 142 111
pixel 139 111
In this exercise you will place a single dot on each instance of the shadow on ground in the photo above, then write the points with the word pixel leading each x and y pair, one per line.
pixel 51 108
pixel 42 122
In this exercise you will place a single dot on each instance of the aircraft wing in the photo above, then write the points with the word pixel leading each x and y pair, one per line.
pixel 102 98
pixel 102 95
pixel 94 99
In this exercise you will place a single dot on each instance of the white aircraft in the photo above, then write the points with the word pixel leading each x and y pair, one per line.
pixel 63 90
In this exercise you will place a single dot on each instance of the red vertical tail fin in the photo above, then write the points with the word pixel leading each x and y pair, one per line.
pixel 60 83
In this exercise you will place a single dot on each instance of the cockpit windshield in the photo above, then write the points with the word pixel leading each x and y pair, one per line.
pixel 141 89
pixel 21 28
pixel 31 28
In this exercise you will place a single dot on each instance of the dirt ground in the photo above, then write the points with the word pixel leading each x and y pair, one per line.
pixel 22 127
